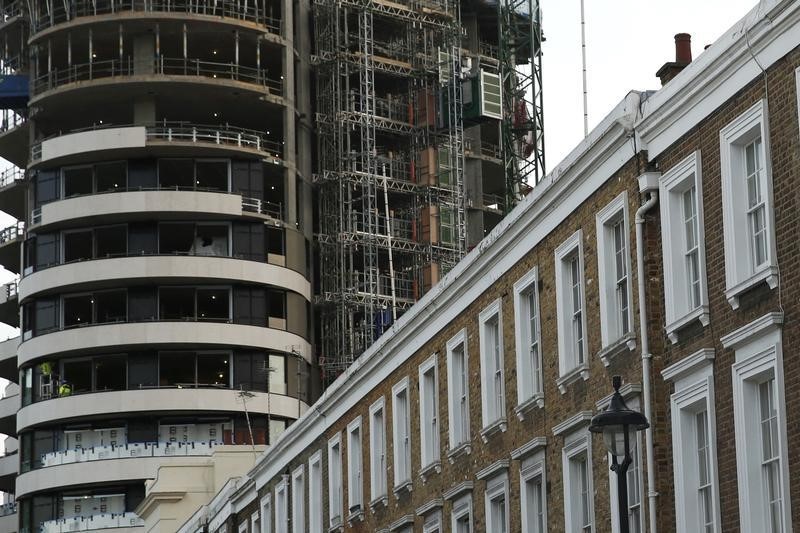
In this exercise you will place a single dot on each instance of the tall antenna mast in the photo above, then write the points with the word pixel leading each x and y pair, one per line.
pixel 585 91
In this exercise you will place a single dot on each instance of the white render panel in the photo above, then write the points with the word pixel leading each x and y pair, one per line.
pixel 156 400
pixel 176 203
pixel 93 141
pixel 9 464
pixel 163 334
pixel 176 268
pixel 9 405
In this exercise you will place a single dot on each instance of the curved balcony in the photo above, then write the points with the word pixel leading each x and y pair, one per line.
pixel 10 243
pixel 12 192
pixel 129 451
pixel 146 401
pixel 99 273
pixel 168 138
pixel 118 523
pixel 8 517
pixel 9 405
pixel 179 71
pixel 9 466
pixel 14 141
pixel 169 335
pixel 8 359
pixel 161 203
pixel 9 304
pixel 215 11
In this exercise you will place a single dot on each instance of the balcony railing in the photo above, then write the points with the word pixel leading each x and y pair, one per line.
pixel 8 508
pixel 128 451
pixel 91 523
pixel 234 9
pixel 10 176
pixel 12 233
pixel 382 284
pixel 11 119
pixel 482 148
pixel 222 134
pixel 11 10
pixel 263 207
pixel 167 66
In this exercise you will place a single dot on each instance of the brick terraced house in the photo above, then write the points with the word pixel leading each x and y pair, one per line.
pixel 664 249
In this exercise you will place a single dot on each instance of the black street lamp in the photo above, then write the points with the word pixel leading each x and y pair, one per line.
pixel 619 425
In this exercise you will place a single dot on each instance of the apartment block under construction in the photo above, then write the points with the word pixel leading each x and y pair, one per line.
pixel 429 126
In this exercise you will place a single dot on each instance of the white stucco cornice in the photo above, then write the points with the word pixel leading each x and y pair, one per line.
pixel 768 32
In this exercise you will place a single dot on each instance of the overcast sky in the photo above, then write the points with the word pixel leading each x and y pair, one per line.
pixel 627 41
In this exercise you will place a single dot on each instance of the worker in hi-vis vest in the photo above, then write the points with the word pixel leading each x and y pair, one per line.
pixel 65 389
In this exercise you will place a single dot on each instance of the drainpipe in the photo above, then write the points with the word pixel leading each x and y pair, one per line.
pixel 648 184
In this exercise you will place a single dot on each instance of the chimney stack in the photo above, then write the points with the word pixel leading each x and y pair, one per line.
pixel 683 56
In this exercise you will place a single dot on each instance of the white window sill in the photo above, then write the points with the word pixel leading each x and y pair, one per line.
pixel 498 426
pixel 405 485
pixel 626 343
pixel 465 448
pixel 534 402
pixel 768 274
pixel 336 525
pixel 700 314
pixel 577 373
pixel 382 499
pixel 427 471
pixel 355 516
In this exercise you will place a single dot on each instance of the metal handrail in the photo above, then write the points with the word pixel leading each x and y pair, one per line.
pixel 11 175
pixel 11 119
pixel 12 232
pixel 168 66
pixel 11 10
pixel 186 132
pixel 235 9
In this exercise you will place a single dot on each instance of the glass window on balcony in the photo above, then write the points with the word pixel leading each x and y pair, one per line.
pixel 212 174
pixel 77 245
pixel 213 304
pixel 77 181
pixel 176 238
pixel 45 315
pixel 276 307
pixel 213 369
pixel 77 374
pixel 77 310
pixel 110 373
pixel 176 173
pixel 211 239
pixel 176 369
pixel 111 241
pixel 176 303
pixel 110 306
pixel 111 176
pixel 273 193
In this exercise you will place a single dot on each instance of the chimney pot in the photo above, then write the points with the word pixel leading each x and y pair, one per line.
pixel 683 48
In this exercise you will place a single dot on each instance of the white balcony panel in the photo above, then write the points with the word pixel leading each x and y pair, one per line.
pixel 165 204
pixel 198 401
pixel 166 335
pixel 169 268
pixel 93 141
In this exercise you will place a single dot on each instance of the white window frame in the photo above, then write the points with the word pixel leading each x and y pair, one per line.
pixel 569 366
pixel 298 500
pixel 457 397
pixel 530 376
pixel 433 523
pixel 740 273
pixel 255 522
pixel 759 356
pixel 401 436
pixel 672 186
pixel 266 513
pixel 335 508
pixel 462 507
pixel 315 519
pixel 377 453
pixel 610 309
pixel 242 527
pixel 493 401
pixel 497 487
pixel 530 469
pixel 429 429
pixel 355 470
pixel 577 444
pixel 693 378
pixel 282 506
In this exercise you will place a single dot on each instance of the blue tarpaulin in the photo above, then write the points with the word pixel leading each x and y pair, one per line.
pixel 13 91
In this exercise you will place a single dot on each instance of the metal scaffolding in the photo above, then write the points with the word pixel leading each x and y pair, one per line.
pixel 520 54
pixel 390 165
